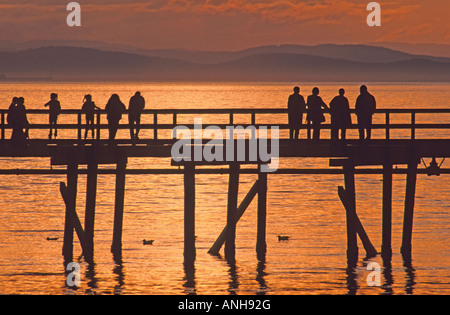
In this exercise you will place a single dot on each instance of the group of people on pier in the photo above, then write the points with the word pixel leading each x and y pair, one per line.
pixel 314 107
pixel 339 109
pixel 18 121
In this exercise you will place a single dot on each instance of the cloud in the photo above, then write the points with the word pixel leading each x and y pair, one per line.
pixel 220 24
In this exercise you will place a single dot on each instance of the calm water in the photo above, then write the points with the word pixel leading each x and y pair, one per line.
pixel 306 208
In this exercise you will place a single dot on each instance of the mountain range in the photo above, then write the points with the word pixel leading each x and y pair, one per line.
pixel 93 61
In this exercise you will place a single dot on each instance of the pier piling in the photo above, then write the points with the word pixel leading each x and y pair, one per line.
pixel 233 190
pixel 116 247
pixel 368 246
pixel 411 180
pixel 386 247
pixel 91 195
pixel 262 215
pixel 214 250
pixel 69 194
pixel 189 213
pixel 350 196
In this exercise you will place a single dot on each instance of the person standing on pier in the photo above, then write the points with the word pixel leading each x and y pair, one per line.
pixel 88 109
pixel 137 105
pixel 55 109
pixel 296 108
pixel 365 109
pixel 315 112
pixel 340 116
pixel 17 119
pixel 114 109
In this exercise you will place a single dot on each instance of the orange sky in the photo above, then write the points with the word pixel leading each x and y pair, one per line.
pixel 226 24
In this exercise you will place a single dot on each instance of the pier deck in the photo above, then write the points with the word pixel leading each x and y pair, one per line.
pixel 404 143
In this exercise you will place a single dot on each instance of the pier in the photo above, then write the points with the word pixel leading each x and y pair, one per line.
pixel 400 147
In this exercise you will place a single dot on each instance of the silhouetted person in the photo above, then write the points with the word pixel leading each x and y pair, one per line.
pixel 114 109
pixel 11 112
pixel 340 116
pixel 137 105
pixel 55 109
pixel 88 109
pixel 17 119
pixel 315 112
pixel 365 108
pixel 296 108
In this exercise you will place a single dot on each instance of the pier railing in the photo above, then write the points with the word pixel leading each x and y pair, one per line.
pixel 157 120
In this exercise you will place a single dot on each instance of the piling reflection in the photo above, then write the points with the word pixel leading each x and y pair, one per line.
pixel 118 270
pixel 189 284
pixel 92 280
pixel 352 284
pixel 410 274
pixel 388 277
pixel 233 284
pixel 260 275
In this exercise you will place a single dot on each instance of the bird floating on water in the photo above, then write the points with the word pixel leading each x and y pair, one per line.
pixel 52 238
pixel 283 238
pixel 149 242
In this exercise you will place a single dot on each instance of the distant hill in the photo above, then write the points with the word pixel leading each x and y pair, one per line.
pixel 271 63
pixel 436 50
pixel 85 64
pixel 379 52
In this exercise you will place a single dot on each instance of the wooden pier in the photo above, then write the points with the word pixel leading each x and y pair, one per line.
pixel 386 155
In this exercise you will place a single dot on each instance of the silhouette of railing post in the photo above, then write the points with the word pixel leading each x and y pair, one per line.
pixel 411 180
pixel 386 247
pixel 388 128
pixel 116 247
pixel 233 190
pixel 189 212
pixel 261 246
pixel 80 129
pixel 91 195
pixel 155 123
pixel 3 125
pixel 174 118
pixel 413 125
pixel 308 130
pixel 99 115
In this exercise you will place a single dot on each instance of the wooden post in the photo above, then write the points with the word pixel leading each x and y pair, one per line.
pixel 308 130
pixel 70 198
pixel 3 126
pixel 79 126
pixel 189 213
pixel 386 247
pixel 388 127
pixel 214 250
pixel 155 123
pixel 413 126
pixel 262 214
pixel 99 115
pixel 116 247
pixel 91 195
pixel 368 246
pixel 233 189
pixel 411 180
pixel 352 245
